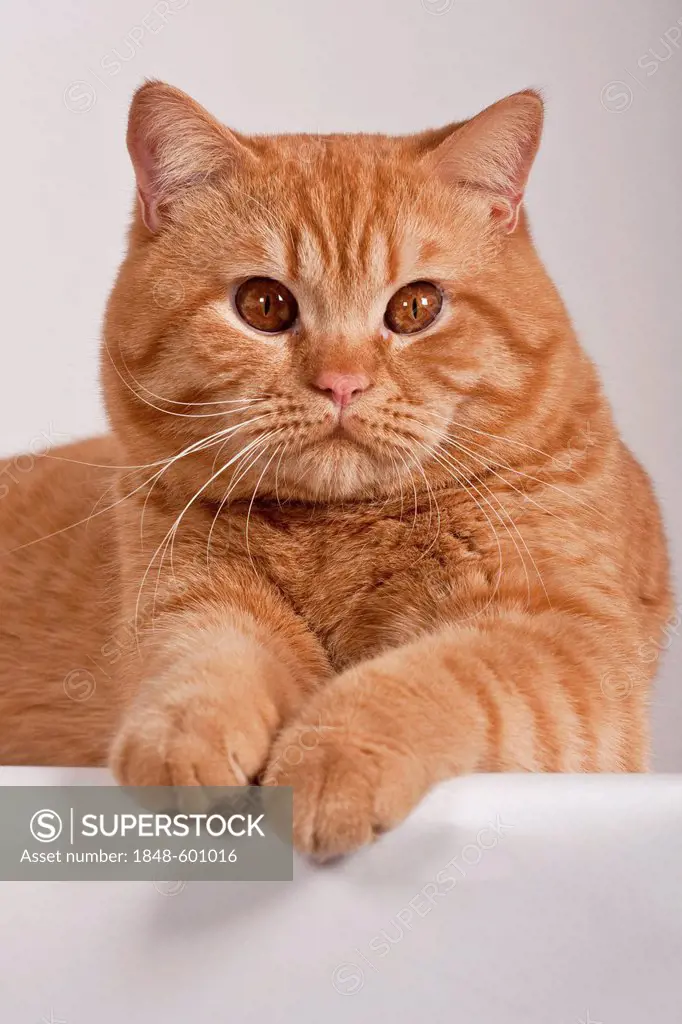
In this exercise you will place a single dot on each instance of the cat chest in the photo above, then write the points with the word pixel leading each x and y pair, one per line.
pixel 369 586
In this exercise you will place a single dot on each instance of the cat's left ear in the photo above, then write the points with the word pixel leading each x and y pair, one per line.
pixel 175 144
pixel 493 153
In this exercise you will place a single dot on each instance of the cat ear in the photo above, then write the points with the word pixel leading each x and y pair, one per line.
pixel 174 143
pixel 493 153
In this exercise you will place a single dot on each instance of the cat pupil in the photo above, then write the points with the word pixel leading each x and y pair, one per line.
pixel 415 307
pixel 266 305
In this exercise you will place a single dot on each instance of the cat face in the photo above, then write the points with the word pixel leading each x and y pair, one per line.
pixel 306 315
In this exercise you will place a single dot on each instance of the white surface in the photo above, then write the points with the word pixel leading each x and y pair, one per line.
pixel 573 913
pixel 604 197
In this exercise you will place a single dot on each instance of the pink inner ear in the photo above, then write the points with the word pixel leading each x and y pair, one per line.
pixel 174 145
pixel 148 210
pixel 146 172
pixel 508 211
pixel 493 153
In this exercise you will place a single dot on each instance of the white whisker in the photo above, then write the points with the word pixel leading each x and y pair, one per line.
pixel 253 498
pixel 495 437
pixel 244 404
pixel 188 451
pixel 173 529
pixel 239 473
pixel 454 473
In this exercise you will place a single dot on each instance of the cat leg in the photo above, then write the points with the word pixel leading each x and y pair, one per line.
pixel 216 683
pixel 517 692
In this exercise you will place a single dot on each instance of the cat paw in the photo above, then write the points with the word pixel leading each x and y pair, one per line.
pixel 349 785
pixel 192 741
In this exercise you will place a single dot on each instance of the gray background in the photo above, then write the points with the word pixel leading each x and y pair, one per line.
pixel 565 910
pixel 604 197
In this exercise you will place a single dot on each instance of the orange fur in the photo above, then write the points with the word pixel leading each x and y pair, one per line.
pixel 448 579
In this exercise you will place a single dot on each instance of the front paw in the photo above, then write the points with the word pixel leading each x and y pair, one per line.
pixel 351 781
pixel 189 738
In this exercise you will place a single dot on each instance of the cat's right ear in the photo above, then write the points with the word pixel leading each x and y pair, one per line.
pixel 493 153
pixel 174 144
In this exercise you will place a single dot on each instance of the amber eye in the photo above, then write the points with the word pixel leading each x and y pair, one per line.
pixel 413 307
pixel 266 304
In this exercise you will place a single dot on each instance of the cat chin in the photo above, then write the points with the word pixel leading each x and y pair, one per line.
pixel 337 469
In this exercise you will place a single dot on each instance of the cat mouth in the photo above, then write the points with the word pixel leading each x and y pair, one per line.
pixel 339 435
pixel 351 430
pixel 339 432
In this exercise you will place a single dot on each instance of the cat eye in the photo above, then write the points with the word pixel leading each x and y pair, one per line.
pixel 266 305
pixel 413 307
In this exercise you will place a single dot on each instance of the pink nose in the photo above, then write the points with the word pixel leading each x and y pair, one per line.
pixel 342 388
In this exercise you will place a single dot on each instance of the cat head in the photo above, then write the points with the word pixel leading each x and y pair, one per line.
pixel 310 315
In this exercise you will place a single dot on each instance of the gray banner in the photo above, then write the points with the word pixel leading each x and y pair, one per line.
pixel 100 833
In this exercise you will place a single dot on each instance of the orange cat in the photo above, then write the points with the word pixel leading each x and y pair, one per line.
pixel 364 521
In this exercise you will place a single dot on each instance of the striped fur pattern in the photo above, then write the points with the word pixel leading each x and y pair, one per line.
pixel 466 571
